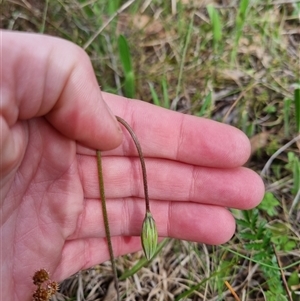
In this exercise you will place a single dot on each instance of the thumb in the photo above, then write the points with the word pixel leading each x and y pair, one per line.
pixel 46 76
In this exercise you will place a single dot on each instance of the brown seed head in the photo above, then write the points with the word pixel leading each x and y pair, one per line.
pixel 41 294
pixel 40 276
pixel 52 287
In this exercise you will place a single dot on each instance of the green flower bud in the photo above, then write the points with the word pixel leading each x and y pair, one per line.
pixel 149 236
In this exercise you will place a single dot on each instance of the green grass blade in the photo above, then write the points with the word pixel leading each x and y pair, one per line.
pixel 42 29
pixel 125 58
pixel 143 262
pixel 165 93
pixel 154 95
pixel 239 24
pixel 204 111
pixel 124 54
pixel 182 64
pixel 286 115
pixel 113 6
pixel 297 108
pixel 129 85
pixel 216 24
pixel 294 264
pixel 296 176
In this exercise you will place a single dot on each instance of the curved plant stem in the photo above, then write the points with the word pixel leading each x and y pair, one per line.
pixel 139 149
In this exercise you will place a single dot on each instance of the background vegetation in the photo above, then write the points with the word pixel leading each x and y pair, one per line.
pixel 233 61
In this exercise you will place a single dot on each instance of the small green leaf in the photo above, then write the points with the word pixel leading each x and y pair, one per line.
pixel 149 236
pixel 293 281
pixel 249 236
pixel 269 204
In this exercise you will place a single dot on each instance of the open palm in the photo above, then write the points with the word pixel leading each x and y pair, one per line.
pixel 50 208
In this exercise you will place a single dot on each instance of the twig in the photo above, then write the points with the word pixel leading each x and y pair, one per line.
pixel 237 100
pixel 236 297
pixel 94 36
pixel 282 274
pixel 280 2
pixel 276 154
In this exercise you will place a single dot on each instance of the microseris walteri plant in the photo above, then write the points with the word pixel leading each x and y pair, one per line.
pixel 149 233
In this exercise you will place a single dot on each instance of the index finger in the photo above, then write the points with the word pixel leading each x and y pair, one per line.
pixel 176 136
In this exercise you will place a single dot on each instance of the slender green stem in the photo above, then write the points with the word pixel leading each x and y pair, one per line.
pixel 106 222
pixel 139 149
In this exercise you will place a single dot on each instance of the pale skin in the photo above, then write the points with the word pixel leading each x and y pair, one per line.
pixel 53 117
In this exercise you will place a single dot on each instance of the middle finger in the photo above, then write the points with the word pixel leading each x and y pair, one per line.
pixel 172 181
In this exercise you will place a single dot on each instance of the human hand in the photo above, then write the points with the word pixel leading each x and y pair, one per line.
pixel 53 117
